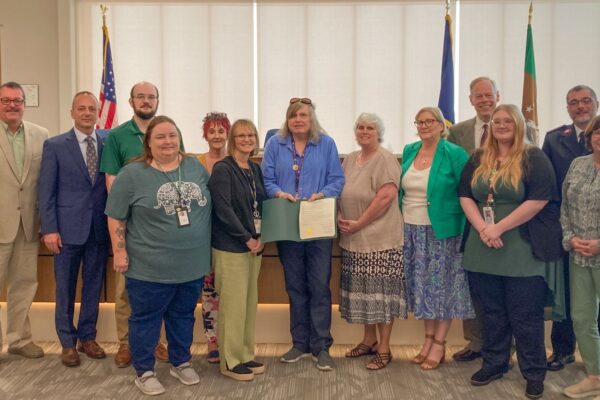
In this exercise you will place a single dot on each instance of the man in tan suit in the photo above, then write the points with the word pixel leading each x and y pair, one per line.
pixel 20 156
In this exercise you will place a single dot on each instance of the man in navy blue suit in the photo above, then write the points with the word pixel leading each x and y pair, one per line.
pixel 562 145
pixel 72 198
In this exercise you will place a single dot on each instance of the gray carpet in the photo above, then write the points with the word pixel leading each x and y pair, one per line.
pixel 48 379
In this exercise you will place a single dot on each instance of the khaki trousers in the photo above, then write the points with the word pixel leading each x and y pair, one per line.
pixel 236 280
pixel 122 309
pixel 18 272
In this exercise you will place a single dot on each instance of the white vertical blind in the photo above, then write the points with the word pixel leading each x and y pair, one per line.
pixel 349 57
pixel 566 37
pixel 199 55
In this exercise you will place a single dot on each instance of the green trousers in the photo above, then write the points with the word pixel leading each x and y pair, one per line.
pixel 585 295
pixel 236 280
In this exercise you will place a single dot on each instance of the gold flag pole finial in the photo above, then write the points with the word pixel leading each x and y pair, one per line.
pixel 103 8
pixel 530 11
pixel 447 7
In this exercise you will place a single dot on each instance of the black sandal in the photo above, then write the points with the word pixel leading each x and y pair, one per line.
pixel 380 361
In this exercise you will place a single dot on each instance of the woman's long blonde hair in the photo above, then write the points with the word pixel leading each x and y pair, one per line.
pixel 511 170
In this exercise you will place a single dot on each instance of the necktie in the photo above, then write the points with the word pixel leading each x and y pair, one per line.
pixel 484 135
pixel 91 158
pixel 582 140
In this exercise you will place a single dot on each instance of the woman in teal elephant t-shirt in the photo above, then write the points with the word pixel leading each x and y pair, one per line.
pixel 159 216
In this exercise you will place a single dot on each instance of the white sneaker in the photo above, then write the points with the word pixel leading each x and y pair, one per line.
pixel 149 384
pixel 587 387
pixel 185 373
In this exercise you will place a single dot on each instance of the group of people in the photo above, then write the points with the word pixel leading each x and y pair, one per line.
pixel 467 227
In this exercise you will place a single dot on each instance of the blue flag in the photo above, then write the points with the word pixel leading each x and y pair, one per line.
pixel 446 100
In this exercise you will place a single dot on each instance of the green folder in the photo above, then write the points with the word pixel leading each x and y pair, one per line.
pixel 281 221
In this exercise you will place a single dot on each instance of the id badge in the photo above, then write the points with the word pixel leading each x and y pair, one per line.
pixel 257 225
pixel 182 218
pixel 488 215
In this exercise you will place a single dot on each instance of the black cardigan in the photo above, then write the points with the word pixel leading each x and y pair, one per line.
pixel 543 231
pixel 232 220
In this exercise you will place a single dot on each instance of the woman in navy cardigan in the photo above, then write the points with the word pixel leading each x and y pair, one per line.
pixel 436 284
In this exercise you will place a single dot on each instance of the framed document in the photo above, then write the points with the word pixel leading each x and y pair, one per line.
pixel 31 95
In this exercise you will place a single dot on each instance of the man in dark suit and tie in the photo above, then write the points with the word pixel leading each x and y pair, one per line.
pixel 72 198
pixel 470 135
pixel 562 145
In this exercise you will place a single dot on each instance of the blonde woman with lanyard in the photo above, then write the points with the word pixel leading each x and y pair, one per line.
pixel 237 189
pixel 512 253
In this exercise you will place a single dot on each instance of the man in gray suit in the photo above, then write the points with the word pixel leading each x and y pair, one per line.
pixel 20 156
pixel 471 134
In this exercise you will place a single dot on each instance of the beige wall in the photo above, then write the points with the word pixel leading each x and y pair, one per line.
pixel 30 54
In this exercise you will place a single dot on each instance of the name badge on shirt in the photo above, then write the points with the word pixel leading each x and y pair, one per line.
pixel 488 215
pixel 257 225
pixel 182 217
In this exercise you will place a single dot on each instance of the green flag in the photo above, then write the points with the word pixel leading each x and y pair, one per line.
pixel 529 103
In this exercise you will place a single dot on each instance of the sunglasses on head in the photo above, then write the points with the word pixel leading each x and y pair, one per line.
pixel 303 100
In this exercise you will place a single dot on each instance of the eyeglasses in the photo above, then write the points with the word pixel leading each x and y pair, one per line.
pixel 586 101
pixel 428 123
pixel 500 121
pixel 243 137
pixel 303 100
pixel 150 97
pixel 17 102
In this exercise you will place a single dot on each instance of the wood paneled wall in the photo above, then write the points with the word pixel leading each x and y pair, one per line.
pixel 271 287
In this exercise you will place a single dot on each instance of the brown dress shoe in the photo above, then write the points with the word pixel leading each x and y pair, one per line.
pixel 91 349
pixel 161 353
pixel 69 357
pixel 123 356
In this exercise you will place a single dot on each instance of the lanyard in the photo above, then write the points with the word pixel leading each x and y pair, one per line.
pixel 490 195
pixel 252 183
pixel 297 167
pixel 176 185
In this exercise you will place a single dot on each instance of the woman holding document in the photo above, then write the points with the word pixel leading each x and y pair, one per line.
pixel 237 189
pixel 370 223
pixel 302 163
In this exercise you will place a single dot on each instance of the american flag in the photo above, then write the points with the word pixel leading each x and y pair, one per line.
pixel 108 96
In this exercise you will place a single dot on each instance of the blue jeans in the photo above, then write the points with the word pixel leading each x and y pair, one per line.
pixel 66 268
pixel 151 303
pixel 512 306
pixel 307 271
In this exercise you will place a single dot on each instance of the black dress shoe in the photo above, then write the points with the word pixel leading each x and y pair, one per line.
pixel 556 362
pixel 485 376
pixel 466 354
pixel 535 389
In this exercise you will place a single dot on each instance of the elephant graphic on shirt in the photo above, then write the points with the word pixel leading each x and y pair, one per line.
pixel 168 197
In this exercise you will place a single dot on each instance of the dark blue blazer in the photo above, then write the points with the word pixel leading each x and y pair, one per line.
pixel 562 147
pixel 69 202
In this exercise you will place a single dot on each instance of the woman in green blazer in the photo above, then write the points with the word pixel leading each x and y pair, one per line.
pixel 436 283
